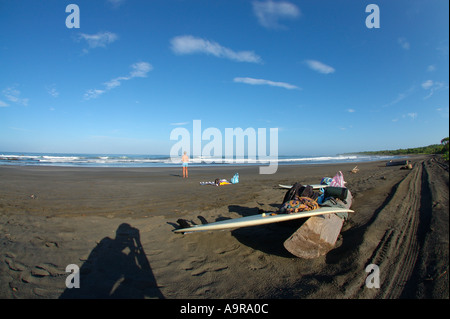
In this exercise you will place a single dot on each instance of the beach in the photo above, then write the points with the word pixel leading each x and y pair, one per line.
pixel 115 225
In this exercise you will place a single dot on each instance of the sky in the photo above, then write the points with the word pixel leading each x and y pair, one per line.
pixel 329 75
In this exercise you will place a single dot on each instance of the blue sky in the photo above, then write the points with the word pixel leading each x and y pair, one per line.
pixel 135 70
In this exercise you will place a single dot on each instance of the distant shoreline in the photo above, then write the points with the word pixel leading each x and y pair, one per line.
pixel 432 149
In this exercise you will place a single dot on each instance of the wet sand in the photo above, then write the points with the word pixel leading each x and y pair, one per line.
pixel 116 225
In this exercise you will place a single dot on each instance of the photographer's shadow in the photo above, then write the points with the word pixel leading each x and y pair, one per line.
pixel 117 268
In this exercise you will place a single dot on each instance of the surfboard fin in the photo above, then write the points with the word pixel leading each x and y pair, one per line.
pixel 184 223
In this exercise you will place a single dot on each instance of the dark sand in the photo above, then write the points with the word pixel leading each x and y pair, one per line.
pixel 116 225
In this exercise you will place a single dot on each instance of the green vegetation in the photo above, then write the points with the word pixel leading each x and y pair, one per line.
pixel 445 146
pixel 442 148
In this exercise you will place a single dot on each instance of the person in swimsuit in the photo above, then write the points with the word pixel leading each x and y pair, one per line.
pixel 185 161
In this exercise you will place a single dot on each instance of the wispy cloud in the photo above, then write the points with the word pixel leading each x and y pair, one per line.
pixel 269 13
pixel 411 115
pixel 52 91
pixel 12 94
pixel 139 70
pixel 320 67
pixel 443 111
pixel 442 48
pixel 404 44
pixel 431 68
pixel 433 87
pixel 93 94
pixel 20 129
pixel 253 81
pixel 116 3
pixel 179 123
pixel 99 39
pixel 427 84
pixel 351 111
pixel 401 96
pixel 3 104
pixel 188 44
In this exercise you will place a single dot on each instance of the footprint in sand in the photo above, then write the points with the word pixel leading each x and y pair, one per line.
pixel 39 241
pixel 224 250
pixel 51 244
pixel 52 269
pixel 40 271
pixel 256 262
pixel 14 265
pixel 192 263
pixel 203 270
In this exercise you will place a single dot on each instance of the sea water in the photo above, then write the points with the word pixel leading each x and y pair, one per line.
pixel 127 160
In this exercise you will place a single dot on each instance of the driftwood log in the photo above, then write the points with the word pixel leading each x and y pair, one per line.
pixel 316 237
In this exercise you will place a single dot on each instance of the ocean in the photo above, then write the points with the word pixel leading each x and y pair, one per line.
pixel 126 160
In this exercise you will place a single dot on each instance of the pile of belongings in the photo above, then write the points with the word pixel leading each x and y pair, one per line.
pixel 220 182
pixel 299 199
pixel 318 234
pixel 302 198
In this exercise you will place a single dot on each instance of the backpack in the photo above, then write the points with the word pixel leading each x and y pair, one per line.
pixel 298 190
pixel 336 192
pixel 235 179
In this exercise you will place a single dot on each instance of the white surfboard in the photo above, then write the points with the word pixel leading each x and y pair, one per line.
pixel 314 186
pixel 261 219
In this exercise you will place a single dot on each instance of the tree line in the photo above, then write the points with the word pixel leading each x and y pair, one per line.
pixel 442 148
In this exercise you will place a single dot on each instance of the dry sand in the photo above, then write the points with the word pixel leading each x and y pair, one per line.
pixel 116 226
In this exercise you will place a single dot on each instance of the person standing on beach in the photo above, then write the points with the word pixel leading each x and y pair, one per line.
pixel 185 161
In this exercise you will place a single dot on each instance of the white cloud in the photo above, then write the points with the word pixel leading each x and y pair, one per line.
pixel 253 81
pixel 412 115
pixel 431 68
pixel 403 43
pixel 114 83
pixel 320 67
pixel 443 111
pixel 99 39
pixel 3 104
pixel 432 87
pixel 427 84
pixel 52 91
pixel 269 13
pixel 179 123
pixel 139 70
pixel 13 95
pixel 351 111
pixel 442 48
pixel 93 94
pixel 188 44
pixel 400 97
pixel 116 3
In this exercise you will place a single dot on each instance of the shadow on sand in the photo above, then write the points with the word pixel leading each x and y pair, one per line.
pixel 267 238
pixel 116 268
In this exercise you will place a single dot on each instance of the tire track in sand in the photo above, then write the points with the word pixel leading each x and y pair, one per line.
pixel 406 245
pixel 398 249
